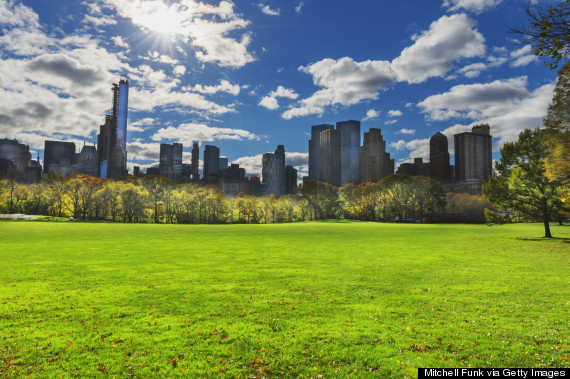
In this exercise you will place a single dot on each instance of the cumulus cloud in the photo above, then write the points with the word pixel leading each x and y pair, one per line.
pixel 523 56
pixel 186 133
pixel 434 51
pixel 224 86
pixel 371 114
pixel 119 41
pixel 270 101
pixel 394 113
pixel 66 67
pixel 476 6
pixel 268 11
pixel 299 8
pixel 472 100
pixel 472 70
pixel 344 82
pixel 407 131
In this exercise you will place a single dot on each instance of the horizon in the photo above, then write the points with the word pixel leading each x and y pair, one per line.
pixel 223 73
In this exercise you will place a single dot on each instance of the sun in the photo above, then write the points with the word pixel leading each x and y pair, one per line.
pixel 160 18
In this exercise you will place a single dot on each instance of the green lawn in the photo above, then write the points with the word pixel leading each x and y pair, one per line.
pixel 307 299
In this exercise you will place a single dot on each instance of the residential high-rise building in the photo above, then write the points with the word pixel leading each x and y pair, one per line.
pixel 60 154
pixel 88 161
pixel 290 179
pixel 375 163
pixel 232 180
pixel 439 167
pixel 350 151
pixel 473 155
pixel 418 168
pixel 330 157
pixel 195 158
pixel 314 148
pixel 112 138
pixel 273 171
pixel 170 164
pixel 211 164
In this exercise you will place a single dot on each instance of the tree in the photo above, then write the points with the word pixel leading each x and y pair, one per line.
pixel 157 186
pixel 549 30
pixel 521 184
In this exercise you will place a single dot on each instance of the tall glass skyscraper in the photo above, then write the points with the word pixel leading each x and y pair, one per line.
pixel 350 151
pixel 112 139
pixel 314 150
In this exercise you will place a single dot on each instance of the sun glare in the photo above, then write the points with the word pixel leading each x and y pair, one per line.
pixel 158 17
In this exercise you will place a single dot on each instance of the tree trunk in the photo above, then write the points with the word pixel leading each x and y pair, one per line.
pixel 546 227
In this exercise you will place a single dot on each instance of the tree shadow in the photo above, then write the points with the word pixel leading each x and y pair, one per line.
pixel 544 239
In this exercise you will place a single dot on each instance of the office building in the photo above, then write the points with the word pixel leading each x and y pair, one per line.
pixel 60 155
pixel 223 163
pixel 211 164
pixel 350 151
pixel 233 180
pixel 330 157
pixel 418 168
pixel 17 156
pixel 290 179
pixel 273 172
pixel 314 148
pixel 439 167
pixel 375 163
pixel 473 155
pixel 170 163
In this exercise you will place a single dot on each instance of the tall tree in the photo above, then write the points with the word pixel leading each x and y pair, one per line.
pixel 549 29
pixel 521 184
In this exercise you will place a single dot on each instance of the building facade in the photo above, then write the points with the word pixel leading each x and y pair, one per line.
pixel 290 179
pixel 350 151
pixel 439 166
pixel 473 155
pixel 375 163
pixel 59 156
pixel 170 163
pixel 273 172
pixel 330 157
pixel 314 148
pixel 211 164
pixel 194 177
pixel 418 168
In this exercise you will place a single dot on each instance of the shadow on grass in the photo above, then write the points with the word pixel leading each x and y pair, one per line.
pixel 544 239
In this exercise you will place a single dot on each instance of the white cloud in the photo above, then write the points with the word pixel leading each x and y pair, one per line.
pixel 186 133
pixel 344 82
pixel 474 100
pixel 476 6
pixel 268 11
pixel 390 122
pixel 407 131
pixel 270 101
pixel 252 164
pixel 299 8
pixel 523 56
pixel 155 56
pixel 119 41
pixel 472 70
pixel 394 113
pixel 179 70
pixel 224 86
pixel 371 114
pixel 140 125
pixel 434 51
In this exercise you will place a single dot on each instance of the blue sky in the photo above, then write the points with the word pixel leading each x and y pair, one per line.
pixel 249 75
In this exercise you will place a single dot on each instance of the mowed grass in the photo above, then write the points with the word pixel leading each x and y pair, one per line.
pixel 307 299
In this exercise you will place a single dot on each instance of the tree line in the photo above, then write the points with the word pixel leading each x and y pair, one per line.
pixel 159 200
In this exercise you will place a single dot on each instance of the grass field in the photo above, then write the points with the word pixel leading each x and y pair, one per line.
pixel 307 299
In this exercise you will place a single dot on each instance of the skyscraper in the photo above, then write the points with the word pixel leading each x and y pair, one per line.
pixel 350 150
pixel 439 167
pixel 273 171
pixel 195 157
pixel 88 161
pixel 112 138
pixel 211 164
pixel 314 148
pixel 375 163
pixel 330 157
pixel 473 155
pixel 170 164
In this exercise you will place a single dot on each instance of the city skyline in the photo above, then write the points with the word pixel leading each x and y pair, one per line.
pixel 238 76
